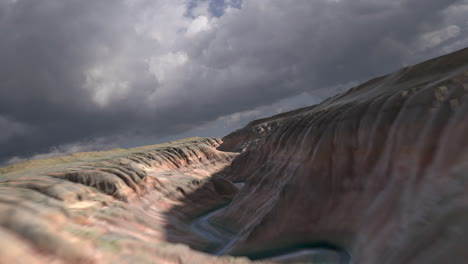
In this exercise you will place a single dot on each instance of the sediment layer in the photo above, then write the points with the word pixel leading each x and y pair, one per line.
pixel 113 207
pixel 378 171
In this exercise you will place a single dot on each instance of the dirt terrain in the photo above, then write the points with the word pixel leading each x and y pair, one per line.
pixel 373 175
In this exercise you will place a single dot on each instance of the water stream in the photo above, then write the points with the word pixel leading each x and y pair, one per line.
pixel 225 239
pixel 202 227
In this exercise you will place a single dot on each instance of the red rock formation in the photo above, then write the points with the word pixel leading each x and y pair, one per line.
pixel 114 206
pixel 378 171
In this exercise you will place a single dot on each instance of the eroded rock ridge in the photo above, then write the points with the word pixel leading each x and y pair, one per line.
pixel 379 171
pixel 373 175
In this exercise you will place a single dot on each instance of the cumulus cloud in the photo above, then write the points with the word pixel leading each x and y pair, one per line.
pixel 95 145
pixel 126 69
pixel 437 37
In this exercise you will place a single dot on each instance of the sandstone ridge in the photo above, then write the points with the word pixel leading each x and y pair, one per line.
pixel 373 175
pixel 378 171
pixel 113 206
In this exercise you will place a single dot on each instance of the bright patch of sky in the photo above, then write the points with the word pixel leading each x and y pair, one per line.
pixel 216 8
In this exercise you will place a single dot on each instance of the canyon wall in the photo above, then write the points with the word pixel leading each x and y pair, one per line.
pixel 376 174
pixel 113 206
pixel 379 171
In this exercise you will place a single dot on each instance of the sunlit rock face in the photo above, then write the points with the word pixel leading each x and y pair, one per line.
pixel 374 175
pixel 114 206
pixel 379 171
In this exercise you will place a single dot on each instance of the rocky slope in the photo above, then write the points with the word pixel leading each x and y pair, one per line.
pixel 379 171
pixel 374 175
pixel 112 206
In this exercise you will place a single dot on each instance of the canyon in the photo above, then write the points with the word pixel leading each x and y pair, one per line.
pixel 372 175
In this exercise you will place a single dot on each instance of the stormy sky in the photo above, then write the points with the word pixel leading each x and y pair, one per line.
pixel 81 75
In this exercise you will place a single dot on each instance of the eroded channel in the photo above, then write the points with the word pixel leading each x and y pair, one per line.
pixel 224 240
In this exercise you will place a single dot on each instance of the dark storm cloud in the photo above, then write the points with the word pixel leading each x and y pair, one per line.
pixel 74 73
